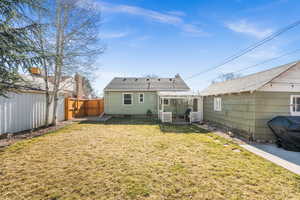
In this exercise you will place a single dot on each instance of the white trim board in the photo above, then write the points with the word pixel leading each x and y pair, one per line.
pixel 296 113
pixel 139 96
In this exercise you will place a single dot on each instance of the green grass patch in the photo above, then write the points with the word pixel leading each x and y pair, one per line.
pixel 172 128
pixel 132 120
pixel 138 160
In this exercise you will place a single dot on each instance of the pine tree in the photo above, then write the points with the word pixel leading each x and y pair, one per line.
pixel 17 42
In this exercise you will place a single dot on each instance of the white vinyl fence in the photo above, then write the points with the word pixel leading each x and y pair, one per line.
pixel 165 117
pixel 196 117
pixel 25 111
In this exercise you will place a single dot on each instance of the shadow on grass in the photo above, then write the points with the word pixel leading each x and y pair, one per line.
pixel 125 120
pixel 164 127
pixel 172 128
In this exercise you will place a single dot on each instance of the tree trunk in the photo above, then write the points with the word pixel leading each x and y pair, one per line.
pixel 47 95
pixel 45 67
pixel 58 58
pixel 76 43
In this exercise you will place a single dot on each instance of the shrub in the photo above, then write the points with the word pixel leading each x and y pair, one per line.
pixel 149 113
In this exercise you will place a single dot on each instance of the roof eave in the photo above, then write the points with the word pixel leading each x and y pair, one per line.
pixel 227 93
pixel 149 90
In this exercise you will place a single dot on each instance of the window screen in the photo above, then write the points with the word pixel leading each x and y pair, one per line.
pixel 127 99
pixel 217 104
pixel 141 98
pixel 295 104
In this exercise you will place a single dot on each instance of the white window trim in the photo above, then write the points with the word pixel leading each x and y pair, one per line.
pixel 131 99
pixel 217 104
pixel 139 98
pixel 291 106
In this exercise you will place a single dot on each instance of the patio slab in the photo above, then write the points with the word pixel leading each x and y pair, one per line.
pixel 287 159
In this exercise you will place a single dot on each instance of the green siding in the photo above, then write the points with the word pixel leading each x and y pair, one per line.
pixel 237 112
pixel 269 105
pixel 249 112
pixel 113 103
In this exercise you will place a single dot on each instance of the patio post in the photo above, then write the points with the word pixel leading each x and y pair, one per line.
pixel 158 105
pixel 162 105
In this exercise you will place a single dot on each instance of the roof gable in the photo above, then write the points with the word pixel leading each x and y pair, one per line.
pixel 248 83
pixel 288 81
pixel 144 84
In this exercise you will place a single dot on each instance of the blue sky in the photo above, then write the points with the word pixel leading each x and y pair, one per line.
pixel 166 37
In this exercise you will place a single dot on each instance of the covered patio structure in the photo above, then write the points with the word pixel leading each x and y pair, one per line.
pixel 180 107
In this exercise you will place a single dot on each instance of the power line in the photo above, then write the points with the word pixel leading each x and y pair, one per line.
pixel 265 61
pixel 260 63
pixel 250 48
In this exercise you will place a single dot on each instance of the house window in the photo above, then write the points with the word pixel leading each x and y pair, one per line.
pixel 217 104
pixel 295 105
pixel 141 98
pixel 165 101
pixel 127 99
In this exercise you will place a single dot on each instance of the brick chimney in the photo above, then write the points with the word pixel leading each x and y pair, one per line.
pixel 79 86
pixel 35 71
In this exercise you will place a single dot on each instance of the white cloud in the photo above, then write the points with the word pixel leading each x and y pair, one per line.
pixel 113 35
pixel 177 13
pixel 174 18
pixel 193 30
pixel 134 10
pixel 248 28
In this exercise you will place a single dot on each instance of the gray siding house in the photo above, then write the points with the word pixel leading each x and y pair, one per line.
pixel 135 96
pixel 246 104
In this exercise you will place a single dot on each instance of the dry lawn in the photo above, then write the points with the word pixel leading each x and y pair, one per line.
pixel 138 161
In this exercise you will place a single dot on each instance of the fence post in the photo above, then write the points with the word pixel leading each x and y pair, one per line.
pixel 86 107
pixel 67 108
pixel 98 105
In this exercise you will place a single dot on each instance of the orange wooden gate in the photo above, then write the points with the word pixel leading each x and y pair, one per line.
pixel 76 108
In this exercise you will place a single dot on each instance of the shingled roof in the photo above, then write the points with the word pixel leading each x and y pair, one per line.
pixel 248 83
pixel 147 84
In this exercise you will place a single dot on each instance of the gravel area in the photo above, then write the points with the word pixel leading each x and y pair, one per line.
pixel 15 137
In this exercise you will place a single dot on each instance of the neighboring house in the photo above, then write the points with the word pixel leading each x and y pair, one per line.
pixel 75 87
pixel 83 88
pixel 67 85
pixel 248 103
pixel 137 96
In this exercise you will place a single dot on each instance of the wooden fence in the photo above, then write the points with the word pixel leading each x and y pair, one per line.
pixel 76 108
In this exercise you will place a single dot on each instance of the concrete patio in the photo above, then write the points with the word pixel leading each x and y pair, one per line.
pixel 287 159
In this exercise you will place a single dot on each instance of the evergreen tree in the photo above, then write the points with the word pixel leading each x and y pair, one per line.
pixel 17 42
